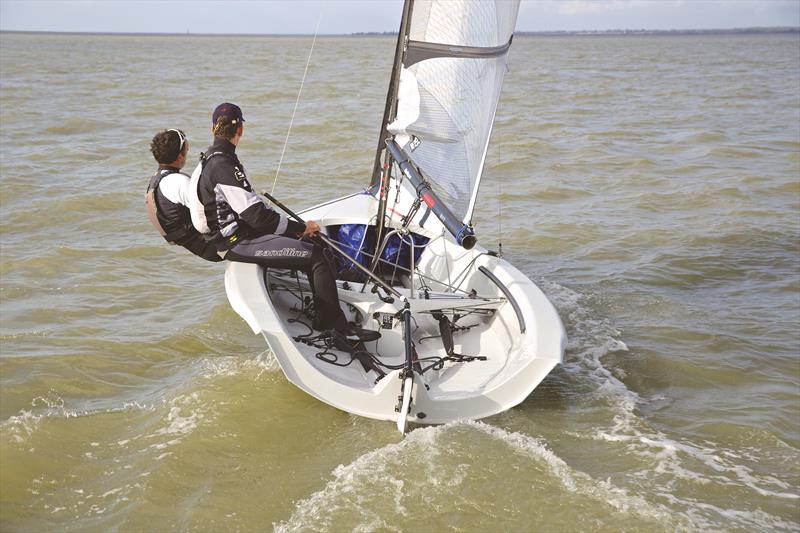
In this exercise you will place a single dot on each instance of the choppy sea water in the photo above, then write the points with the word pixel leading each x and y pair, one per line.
pixel 650 185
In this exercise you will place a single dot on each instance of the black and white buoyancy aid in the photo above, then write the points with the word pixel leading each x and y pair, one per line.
pixel 172 220
pixel 197 209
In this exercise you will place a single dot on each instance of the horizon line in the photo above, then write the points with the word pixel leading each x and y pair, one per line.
pixel 744 29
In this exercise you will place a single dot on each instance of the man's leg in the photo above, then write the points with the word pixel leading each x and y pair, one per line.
pixel 285 252
pixel 278 251
pixel 326 296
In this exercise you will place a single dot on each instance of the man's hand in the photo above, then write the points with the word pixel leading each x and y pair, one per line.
pixel 312 228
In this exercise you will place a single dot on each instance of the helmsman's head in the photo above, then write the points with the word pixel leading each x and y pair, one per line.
pixel 227 122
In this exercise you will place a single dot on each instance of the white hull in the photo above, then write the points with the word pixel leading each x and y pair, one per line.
pixel 522 340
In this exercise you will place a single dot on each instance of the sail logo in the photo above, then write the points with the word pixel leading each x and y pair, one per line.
pixel 414 143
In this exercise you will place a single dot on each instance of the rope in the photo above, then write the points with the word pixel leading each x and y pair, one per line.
pixel 302 82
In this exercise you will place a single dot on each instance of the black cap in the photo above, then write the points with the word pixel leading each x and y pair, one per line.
pixel 232 111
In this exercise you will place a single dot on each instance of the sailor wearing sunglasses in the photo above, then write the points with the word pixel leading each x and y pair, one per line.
pixel 167 199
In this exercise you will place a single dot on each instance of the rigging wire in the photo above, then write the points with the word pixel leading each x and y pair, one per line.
pixel 302 82
pixel 500 214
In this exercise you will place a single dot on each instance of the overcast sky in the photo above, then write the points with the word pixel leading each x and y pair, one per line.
pixel 350 16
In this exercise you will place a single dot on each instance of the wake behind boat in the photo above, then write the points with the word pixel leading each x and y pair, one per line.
pixel 463 334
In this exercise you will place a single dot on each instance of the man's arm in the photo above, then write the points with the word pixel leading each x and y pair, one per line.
pixel 195 243
pixel 249 206
pixel 264 220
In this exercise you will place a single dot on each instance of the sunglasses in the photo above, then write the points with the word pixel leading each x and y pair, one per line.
pixel 181 137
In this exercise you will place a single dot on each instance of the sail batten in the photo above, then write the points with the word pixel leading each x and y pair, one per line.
pixel 419 51
pixel 449 85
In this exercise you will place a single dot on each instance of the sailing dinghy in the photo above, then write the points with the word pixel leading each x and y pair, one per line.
pixel 464 334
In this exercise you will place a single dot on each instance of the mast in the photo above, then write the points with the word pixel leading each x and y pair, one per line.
pixel 379 177
pixel 391 96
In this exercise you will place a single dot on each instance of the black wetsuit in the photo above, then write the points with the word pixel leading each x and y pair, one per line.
pixel 244 229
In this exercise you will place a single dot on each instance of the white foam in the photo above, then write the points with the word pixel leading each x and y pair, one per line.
pixel 264 362
pixel 590 340
pixel 575 481
pixel 186 413
pixel 111 492
pixel 21 427
pixel 374 466
pixel 381 464
pixel 708 517
pixel 665 455
pixel 180 423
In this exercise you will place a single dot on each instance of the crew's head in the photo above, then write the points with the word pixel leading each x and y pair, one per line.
pixel 227 121
pixel 170 147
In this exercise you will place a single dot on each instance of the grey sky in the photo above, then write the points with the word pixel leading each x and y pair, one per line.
pixel 349 16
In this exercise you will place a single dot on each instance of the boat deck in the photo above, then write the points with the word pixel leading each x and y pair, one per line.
pixel 473 333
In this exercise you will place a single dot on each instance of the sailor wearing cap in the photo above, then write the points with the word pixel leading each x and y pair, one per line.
pixel 167 195
pixel 244 229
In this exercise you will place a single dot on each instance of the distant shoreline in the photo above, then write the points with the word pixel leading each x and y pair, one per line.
pixel 521 33
pixel 724 31
pixel 720 31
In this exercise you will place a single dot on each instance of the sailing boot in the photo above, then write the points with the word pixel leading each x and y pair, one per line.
pixel 353 343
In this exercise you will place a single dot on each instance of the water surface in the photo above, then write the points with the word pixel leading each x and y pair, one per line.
pixel 649 184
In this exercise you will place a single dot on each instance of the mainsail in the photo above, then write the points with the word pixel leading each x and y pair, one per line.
pixel 451 72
